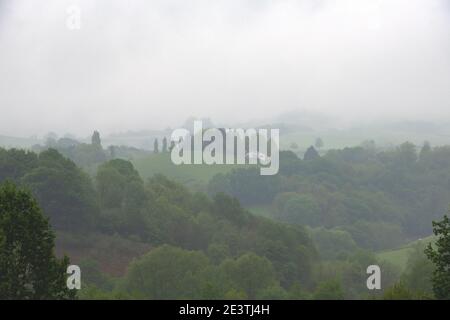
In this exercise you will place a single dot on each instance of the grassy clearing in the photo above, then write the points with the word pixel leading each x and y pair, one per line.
pixel 161 163
pixel 399 256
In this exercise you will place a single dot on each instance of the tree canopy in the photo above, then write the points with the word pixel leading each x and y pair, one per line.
pixel 29 268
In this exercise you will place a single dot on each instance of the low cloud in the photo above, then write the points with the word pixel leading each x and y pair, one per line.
pixel 151 64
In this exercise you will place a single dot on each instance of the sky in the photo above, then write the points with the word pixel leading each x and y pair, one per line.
pixel 150 64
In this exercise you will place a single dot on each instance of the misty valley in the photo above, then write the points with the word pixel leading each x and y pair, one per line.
pixel 227 232
pixel 234 158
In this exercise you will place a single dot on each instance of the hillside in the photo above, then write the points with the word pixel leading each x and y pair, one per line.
pixel 399 256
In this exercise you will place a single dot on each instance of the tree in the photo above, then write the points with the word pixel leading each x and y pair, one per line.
pixel 425 151
pixel 297 208
pixel 121 195
pixel 418 272
pixel 156 146
pixel 64 191
pixel 251 273
pixel 398 292
pixel 96 141
pixel 329 290
pixel 15 163
pixel 168 272
pixel 112 152
pixel 440 256
pixel 229 208
pixel 311 154
pixel 406 155
pixel 172 145
pixel 29 269
pixel 331 243
pixel 369 145
pixel 50 139
pixel 319 143
pixel 164 145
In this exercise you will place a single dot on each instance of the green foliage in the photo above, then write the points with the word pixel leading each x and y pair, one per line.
pixel 228 208
pixel 92 276
pixel 234 294
pixel 91 292
pixel 375 235
pixel 218 252
pixel 382 199
pixel 96 141
pixel 350 272
pixel 14 163
pixel 425 151
pixel 329 290
pixel 398 291
pixel 168 273
pixel 401 291
pixel 29 269
pixel 113 179
pixel 156 146
pixel 164 145
pixel 297 208
pixel 212 248
pixel 122 197
pixel 332 243
pixel 246 184
pixel 65 193
pixel 400 256
pixel 273 293
pixel 440 256
pixel 297 292
pixel 311 154
pixel 252 274
pixel 419 270
pixel 87 156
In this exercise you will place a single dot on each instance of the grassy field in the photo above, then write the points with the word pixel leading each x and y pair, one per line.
pixel 399 256
pixel 161 163
pixel 339 139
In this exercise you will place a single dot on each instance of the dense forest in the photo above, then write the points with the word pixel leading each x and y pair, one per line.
pixel 379 199
pixel 326 217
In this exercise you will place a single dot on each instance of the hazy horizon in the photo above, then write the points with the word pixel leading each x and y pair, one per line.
pixel 153 64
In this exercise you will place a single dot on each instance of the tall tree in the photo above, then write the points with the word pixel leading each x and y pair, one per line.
pixel 440 256
pixel 112 152
pixel 311 154
pixel 425 151
pixel 156 146
pixel 172 145
pixel 164 145
pixel 319 143
pixel 96 141
pixel 28 267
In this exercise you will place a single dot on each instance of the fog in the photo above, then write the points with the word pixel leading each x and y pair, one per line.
pixel 151 64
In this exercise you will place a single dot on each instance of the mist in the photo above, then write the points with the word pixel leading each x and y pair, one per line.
pixel 152 64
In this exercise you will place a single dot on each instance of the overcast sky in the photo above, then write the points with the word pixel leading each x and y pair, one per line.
pixel 146 64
